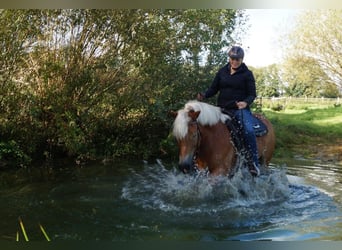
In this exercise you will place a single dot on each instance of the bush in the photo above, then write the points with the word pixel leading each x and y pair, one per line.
pixel 12 155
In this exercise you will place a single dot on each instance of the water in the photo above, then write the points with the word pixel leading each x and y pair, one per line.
pixel 300 200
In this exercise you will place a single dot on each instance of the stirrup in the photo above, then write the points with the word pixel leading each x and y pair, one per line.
pixel 255 171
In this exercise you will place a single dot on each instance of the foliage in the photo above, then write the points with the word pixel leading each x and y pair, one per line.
pixel 307 78
pixel 12 155
pixel 315 47
pixel 268 81
pixel 100 83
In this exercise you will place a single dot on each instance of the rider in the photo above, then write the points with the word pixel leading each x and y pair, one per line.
pixel 236 86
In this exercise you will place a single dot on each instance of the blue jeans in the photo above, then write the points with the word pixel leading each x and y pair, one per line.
pixel 245 120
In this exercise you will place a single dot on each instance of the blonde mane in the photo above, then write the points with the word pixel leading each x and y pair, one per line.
pixel 209 115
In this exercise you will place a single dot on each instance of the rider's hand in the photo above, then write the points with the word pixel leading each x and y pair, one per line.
pixel 241 105
pixel 200 97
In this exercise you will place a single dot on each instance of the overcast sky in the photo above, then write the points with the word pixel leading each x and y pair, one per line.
pixel 261 42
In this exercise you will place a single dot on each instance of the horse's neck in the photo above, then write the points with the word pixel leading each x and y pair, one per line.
pixel 217 134
pixel 216 150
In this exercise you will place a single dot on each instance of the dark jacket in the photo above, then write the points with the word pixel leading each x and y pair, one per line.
pixel 233 88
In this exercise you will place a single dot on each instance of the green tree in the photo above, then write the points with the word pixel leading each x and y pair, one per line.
pixel 268 82
pixel 306 78
pixel 315 47
pixel 18 33
pixel 89 83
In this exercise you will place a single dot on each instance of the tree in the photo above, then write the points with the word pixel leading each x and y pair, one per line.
pixel 268 83
pixel 314 52
pixel 306 78
pixel 86 83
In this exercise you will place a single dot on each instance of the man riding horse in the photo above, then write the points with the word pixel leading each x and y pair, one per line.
pixel 236 86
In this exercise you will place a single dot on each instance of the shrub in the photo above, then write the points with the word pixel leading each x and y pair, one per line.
pixel 11 155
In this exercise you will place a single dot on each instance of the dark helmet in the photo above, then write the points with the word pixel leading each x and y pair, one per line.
pixel 236 52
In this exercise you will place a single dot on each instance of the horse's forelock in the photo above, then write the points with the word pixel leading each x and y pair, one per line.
pixel 180 125
pixel 209 115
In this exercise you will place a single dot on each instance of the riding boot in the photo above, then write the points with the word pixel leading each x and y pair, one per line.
pixel 250 162
pixel 254 170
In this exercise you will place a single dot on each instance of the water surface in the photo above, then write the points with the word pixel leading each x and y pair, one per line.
pixel 135 200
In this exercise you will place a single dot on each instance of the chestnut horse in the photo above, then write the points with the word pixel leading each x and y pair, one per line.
pixel 205 142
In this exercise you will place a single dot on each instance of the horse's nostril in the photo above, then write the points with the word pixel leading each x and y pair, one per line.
pixel 183 167
pixel 187 168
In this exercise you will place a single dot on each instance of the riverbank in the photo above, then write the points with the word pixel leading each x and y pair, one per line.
pixel 312 133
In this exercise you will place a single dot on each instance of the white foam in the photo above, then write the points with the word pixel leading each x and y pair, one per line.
pixel 169 190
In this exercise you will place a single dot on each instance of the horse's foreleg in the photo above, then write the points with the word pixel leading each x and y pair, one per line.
pixel 223 163
pixel 201 164
pixel 219 171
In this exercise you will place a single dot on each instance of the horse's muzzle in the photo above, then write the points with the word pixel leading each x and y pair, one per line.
pixel 187 168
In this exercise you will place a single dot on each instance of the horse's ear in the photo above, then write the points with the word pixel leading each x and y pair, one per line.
pixel 173 113
pixel 194 114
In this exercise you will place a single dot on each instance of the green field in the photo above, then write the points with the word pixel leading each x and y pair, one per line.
pixel 300 129
pixel 297 103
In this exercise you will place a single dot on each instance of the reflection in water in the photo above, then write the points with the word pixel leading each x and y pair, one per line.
pixel 135 201
pixel 327 176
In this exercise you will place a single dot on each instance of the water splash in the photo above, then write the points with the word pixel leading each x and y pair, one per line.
pixel 159 188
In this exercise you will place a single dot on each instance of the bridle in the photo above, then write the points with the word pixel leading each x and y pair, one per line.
pixel 198 143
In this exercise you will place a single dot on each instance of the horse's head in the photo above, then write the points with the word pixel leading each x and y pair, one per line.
pixel 187 134
pixel 189 131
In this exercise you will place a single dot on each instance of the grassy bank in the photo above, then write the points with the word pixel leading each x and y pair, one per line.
pixel 306 131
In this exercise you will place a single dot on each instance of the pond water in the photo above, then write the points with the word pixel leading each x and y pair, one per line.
pixel 299 200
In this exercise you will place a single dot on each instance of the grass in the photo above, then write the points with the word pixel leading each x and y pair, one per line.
pixel 299 131
pixel 23 231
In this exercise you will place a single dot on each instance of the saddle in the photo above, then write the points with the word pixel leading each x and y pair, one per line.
pixel 260 128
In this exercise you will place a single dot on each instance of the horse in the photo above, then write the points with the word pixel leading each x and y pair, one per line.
pixel 205 142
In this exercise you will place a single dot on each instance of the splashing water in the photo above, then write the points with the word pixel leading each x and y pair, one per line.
pixel 171 191
pixel 154 201
pixel 239 204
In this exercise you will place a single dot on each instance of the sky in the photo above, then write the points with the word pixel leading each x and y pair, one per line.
pixel 262 40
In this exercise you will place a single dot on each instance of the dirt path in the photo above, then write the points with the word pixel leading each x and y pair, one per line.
pixel 330 152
